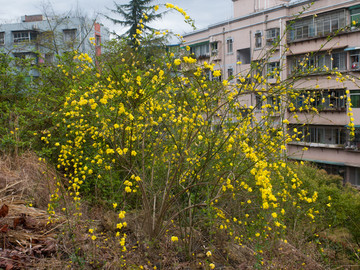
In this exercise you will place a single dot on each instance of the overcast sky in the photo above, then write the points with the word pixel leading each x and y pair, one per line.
pixel 204 12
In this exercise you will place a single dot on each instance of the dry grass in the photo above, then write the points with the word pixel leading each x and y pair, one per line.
pixel 36 244
pixel 27 237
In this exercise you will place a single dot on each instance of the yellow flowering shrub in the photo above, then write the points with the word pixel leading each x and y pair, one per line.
pixel 147 131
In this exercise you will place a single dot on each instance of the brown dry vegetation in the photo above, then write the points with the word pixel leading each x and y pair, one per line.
pixel 29 241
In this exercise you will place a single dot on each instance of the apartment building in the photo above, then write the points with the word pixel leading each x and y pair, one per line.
pixel 307 35
pixel 40 39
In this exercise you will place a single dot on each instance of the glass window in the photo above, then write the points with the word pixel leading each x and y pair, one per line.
pixel 2 38
pixel 24 36
pixel 355 98
pixel 274 103
pixel 200 50
pixel 355 16
pixel 258 101
pixel 272 36
pixel 214 48
pixel 258 40
pixel 229 45
pixel 355 59
pixel 321 25
pixel 273 69
pixel 97 40
pixel 230 72
pixel 69 35
pixel 354 176
pixel 319 134
pixel 339 61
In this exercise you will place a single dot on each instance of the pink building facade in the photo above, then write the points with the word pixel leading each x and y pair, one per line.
pixel 235 44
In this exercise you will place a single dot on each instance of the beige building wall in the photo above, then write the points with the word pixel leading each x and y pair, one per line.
pixel 249 28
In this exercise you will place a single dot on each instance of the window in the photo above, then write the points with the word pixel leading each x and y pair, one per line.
pixel 321 25
pixel 355 15
pixel 339 61
pixel 317 63
pixel 355 59
pixel 258 40
pixel 273 69
pixel 257 68
pixel 31 57
pixel 354 176
pixel 229 45
pixel 2 38
pixel 258 101
pixel 318 134
pixel 214 48
pixel 200 50
pixel 321 100
pixel 24 36
pixel 354 143
pixel 230 73
pixel 272 36
pixel 243 56
pixel 355 98
pixel 69 35
pixel 49 57
pixel 273 103
pixel 217 79
pixel 97 40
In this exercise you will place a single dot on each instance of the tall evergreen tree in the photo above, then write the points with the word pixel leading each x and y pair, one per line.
pixel 136 15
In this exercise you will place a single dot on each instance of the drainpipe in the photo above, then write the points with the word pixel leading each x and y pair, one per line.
pixel 224 52
pixel 250 33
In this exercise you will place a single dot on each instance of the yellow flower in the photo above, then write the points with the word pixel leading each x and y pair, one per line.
pixel 208 253
pixel 93 237
pixel 174 239
pixel 177 62
pixel 217 73
pixel 122 214
pixel 212 266
pixel 274 215
pixel 168 5
pixel 156 7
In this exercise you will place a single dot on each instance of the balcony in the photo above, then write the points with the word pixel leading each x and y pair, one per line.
pixel 316 27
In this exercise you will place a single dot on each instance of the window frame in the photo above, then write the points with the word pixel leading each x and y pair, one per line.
pixel 230 73
pixel 24 36
pixel 315 134
pixel 317 26
pixel 323 100
pixel 70 35
pixel 355 102
pixel 272 35
pixel 355 16
pixel 229 45
pixel 271 68
pixel 319 62
pixel 2 38
pixel 214 48
pixel 258 40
